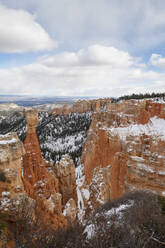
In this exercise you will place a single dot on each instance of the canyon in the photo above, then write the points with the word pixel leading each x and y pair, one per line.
pixel 123 150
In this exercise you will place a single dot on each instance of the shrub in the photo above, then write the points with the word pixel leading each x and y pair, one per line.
pixel 2 176
pixel 161 201
pixel 142 224
pixel 3 221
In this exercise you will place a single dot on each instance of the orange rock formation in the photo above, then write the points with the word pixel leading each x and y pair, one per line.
pixel 82 106
pixel 50 187
pixel 12 195
pixel 124 150
pixel 131 161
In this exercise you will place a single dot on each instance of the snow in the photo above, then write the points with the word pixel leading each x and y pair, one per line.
pixel 65 209
pixel 5 142
pixel 18 187
pixel 86 194
pixel 161 156
pixel 68 206
pixel 159 100
pixel 5 202
pixel 80 204
pixel 64 161
pixel 79 175
pixel 80 181
pixel 145 168
pixel 39 183
pixel 162 173
pixel 5 193
pixel 68 143
pixel 137 159
pixel 155 127
pixel 91 228
pixel 118 210
pixel 90 231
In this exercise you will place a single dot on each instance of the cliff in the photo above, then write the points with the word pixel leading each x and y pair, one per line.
pixel 12 194
pixel 123 151
pixel 51 187
pixel 11 151
pixel 82 106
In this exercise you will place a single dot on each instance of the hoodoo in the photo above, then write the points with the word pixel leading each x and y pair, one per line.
pixel 123 150
pixel 49 186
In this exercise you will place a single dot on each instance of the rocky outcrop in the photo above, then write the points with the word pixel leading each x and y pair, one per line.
pixel 70 211
pixel 11 152
pixel 115 144
pixel 82 106
pixel 12 194
pixel 65 172
pixel 51 186
pixel 124 150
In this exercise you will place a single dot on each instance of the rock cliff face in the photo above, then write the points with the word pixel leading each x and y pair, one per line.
pixel 12 194
pixel 65 172
pixel 51 187
pixel 124 150
pixel 84 106
pixel 11 151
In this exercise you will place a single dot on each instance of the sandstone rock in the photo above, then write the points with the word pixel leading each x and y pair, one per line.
pixel 65 173
pixel 124 150
pixel 13 199
pixel 50 186
pixel 100 186
pixel 136 161
pixel 82 106
pixel 70 210
pixel 11 152
pixel 53 203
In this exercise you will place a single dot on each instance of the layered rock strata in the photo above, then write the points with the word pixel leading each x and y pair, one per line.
pixel 82 106
pixel 12 194
pixel 124 150
pixel 51 187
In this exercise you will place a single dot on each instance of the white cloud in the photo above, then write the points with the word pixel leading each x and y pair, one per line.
pixel 136 26
pixel 97 70
pixel 157 60
pixel 19 32
pixel 96 55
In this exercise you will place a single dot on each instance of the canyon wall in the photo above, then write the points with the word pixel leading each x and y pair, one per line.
pixel 12 194
pixel 82 106
pixel 125 150
pixel 51 187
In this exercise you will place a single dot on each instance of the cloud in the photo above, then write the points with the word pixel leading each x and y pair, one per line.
pixel 19 32
pixel 98 71
pixel 95 55
pixel 157 60
pixel 130 27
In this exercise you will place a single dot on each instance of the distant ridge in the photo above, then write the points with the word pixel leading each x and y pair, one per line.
pixel 29 101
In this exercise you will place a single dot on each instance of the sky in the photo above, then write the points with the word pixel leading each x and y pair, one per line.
pixel 82 48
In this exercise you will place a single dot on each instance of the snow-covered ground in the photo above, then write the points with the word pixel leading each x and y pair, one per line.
pixel 63 134
pixel 155 128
